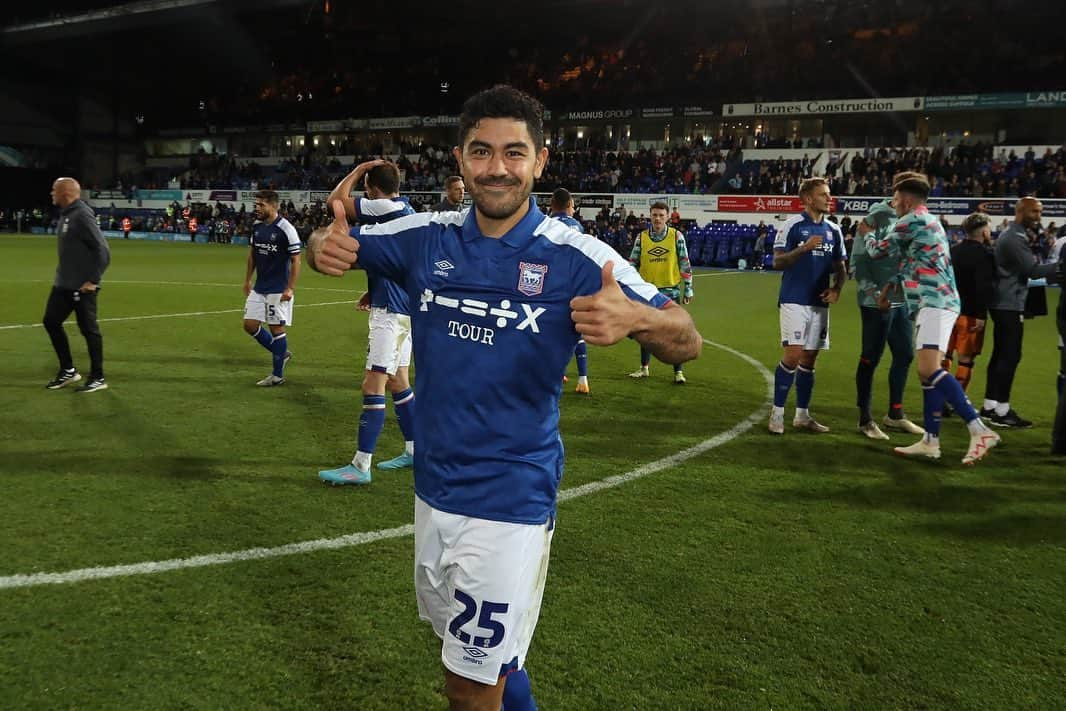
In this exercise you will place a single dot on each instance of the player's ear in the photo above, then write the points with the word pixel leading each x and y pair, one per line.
pixel 540 161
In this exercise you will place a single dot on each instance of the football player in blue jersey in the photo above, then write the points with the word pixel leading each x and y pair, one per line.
pixel 562 209
pixel 389 350
pixel 809 248
pixel 274 258
pixel 499 296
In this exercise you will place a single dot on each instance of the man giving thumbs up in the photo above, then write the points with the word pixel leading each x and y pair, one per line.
pixel 499 295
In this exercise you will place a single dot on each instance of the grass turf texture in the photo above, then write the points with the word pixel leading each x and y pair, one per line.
pixel 794 572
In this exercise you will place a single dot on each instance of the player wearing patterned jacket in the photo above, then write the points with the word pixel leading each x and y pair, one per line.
pixel 275 260
pixel 809 248
pixel 389 350
pixel 499 295
pixel 882 324
pixel 562 209
pixel 931 296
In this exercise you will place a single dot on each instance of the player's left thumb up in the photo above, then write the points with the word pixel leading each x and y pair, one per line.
pixel 608 275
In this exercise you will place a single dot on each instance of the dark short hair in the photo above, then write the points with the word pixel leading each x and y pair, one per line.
pixel 452 180
pixel 912 183
pixel 385 177
pixel 560 199
pixel 808 185
pixel 659 205
pixel 503 101
pixel 975 222
pixel 268 196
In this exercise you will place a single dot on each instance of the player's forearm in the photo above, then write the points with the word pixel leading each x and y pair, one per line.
pixel 668 333
pixel 294 272
pixel 876 248
pixel 250 268
pixel 784 260
pixel 840 274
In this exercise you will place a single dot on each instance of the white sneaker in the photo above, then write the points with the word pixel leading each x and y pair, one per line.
pixel 642 373
pixel 810 425
pixel 980 444
pixel 270 381
pixel 902 425
pixel 777 424
pixel 921 448
pixel 871 430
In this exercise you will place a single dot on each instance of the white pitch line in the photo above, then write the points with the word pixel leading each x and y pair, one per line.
pixel 228 285
pixel 358 539
pixel 188 313
pixel 721 273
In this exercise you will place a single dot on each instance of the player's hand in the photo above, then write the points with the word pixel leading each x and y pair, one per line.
pixel 87 287
pixel 812 243
pixel 606 317
pixel 247 288
pixel 830 296
pixel 286 295
pixel 978 325
pixel 884 299
pixel 334 250
pixel 363 304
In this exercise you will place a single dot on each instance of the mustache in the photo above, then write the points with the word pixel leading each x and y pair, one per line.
pixel 498 182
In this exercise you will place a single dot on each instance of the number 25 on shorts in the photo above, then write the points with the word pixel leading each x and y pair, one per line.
pixel 484 621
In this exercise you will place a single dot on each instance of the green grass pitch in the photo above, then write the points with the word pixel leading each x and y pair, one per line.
pixel 794 572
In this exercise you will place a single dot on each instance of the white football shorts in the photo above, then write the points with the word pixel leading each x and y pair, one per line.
pixel 268 308
pixel 806 326
pixel 933 327
pixel 480 584
pixel 390 341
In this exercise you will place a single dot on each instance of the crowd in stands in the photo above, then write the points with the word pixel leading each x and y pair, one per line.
pixel 699 166
pixel 639 55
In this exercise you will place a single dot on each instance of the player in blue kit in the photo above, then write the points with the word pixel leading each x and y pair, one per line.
pixel 808 248
pixel 274 258
pixel 562 209
pixel 499 295
pixel 389 351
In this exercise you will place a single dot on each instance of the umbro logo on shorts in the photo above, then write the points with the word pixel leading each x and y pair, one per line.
pixel 444 264
pixel 475 652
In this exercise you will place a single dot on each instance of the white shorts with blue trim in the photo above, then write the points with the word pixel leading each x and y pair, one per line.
pixel 933 327
pixel 269 309
pixel 480 584
pixel 390 341
pixel 803 325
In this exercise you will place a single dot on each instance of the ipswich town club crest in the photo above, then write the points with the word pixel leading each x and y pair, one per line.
pixel 531 278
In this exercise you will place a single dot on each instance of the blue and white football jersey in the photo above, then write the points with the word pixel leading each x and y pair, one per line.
pixel 384 293
pixel 567 220
pixel 492 337
pixel 273 244
pixel 809 276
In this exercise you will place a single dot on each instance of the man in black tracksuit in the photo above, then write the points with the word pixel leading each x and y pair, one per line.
pixel 1015 266
pixel 83 257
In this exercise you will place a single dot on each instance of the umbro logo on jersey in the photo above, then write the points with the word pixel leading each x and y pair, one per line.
pixel 658 251
pixel 444 265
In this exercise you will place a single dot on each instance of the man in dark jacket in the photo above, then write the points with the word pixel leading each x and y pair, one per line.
pixel 83 257
pixel 454 190
pixel 975 275
pixel 1015 266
